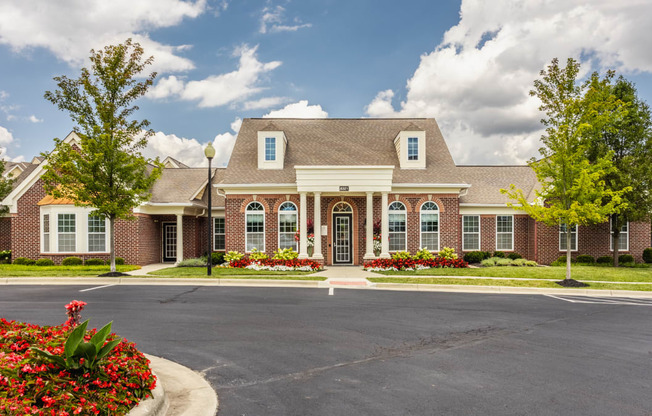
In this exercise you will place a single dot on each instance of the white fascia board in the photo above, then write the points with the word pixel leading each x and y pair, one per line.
pixel 343 167
pixel 344 178
pixel 200 189
pixel 11 200
pixel 15 167
pixel 489 209
pixel 431 185
pixel 257 188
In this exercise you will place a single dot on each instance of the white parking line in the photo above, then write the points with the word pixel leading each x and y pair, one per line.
pixel 604 301
pixel 331 291
pixel 98 287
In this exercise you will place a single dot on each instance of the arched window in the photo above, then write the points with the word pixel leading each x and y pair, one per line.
pixel 430 226
pixel 255 227
pixel 397 227
pixel 342 207
pixel 287 226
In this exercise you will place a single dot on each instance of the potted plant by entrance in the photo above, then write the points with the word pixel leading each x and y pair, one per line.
pixel 377 239
pixel 311 237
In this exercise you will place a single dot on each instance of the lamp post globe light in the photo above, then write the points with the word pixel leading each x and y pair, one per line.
pixel 209 152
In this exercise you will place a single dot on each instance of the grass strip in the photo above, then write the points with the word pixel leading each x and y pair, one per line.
pixel 17 270
pixel 234 273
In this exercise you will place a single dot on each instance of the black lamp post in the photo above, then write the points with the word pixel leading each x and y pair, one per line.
pixel 209 151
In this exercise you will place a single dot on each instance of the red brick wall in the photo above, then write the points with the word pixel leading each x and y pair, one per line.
pixel 5 233
pixel 25 240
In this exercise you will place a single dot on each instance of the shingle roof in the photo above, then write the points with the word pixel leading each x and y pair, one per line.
pixel 27 169
pixel 486 182
pixel 343 142
pixel 181 185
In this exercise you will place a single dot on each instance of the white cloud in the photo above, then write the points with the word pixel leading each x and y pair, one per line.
pixel 273 19
pixel 476 81
pixel 299 109
pixel 69 28
pixel 266 102
pixel 219 90
pixel 191 151
pixel 5 136
pixel 34 119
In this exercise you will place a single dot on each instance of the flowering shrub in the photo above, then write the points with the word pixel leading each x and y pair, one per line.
pixel 276 264
pixel 257 255
pixel 31 385
pixel 423 254
pixel 447 253
pixel 233 255
pixel 285 254
pixel 401 255
pixel 409 264
pixel 310 233
pixel 73 310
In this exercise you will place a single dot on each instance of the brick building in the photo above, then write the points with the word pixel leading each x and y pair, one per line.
pixel 337 177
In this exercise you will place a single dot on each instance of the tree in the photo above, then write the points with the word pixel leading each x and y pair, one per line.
pixel 629 140
pixel 572 189
pixel 108 172
pixel 5 186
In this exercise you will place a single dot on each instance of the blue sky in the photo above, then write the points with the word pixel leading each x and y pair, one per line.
pixel 469 64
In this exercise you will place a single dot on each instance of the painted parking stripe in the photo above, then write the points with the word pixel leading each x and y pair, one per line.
pixel 97 287
pixel 604 301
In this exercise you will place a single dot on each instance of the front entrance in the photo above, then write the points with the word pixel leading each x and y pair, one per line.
pixel 342 238
pixel 169 242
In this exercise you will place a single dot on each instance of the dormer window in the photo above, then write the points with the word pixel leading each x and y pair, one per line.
pixel 413 148
pixel 270 149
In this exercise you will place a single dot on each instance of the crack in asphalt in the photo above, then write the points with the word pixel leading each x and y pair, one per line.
pixel 177 296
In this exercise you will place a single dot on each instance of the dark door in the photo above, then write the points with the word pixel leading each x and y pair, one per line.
pixel 342 239
pixel 169 242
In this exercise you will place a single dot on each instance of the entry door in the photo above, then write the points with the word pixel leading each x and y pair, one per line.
pixel 169 242
pixel 342 236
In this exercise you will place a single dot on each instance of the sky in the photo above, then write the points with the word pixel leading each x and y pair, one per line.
pixel 469 64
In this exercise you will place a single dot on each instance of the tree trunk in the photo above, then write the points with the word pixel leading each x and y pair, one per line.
pixel 112 241
pixel 616 242
pixel 568 251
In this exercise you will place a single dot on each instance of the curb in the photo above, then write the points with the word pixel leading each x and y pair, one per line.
pixel 156 405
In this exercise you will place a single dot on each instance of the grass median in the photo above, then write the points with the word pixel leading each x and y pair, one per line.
pixel 17 270
pixel 581 273
pixel 235 273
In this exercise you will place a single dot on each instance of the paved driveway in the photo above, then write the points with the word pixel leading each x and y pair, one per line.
pixel 273 351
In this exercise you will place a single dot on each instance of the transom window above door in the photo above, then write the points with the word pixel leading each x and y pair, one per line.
pixel 342 207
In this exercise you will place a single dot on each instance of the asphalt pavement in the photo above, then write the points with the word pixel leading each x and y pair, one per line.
pixel 294 351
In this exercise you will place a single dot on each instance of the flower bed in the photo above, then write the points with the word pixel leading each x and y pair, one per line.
pixel 276 264
pixel 410 264
pixel 32 385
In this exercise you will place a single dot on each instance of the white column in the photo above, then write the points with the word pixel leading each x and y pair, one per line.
pixel 370 227
pixel 384 251
pixel 179 238
pixel 317 254
pixel 303 226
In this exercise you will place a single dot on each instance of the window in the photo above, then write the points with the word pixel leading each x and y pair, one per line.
pixel 505 232
pixel 470 232
pixel 218 234
pixel 397 226
pixel 413 148
pixel 562 237
pixel 287 226
pixel 430 226
pixel 270 148
pixel 96 234
pixel 255 227
pixel 66 233
pixel 46 233
pixel 623 239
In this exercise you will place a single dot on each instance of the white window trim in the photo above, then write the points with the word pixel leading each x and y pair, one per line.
pixel 74 214
pixel 46 235
pixel 611 238
pixel 247 213
pixel 512 233
pixel 216 234
pixel 408 148
pixel 478 233
pixel 438 232
pixel 273 146
pixel 81 229
pixel 296 214
pixel 404 213
pixel 106 236
pixel 577 232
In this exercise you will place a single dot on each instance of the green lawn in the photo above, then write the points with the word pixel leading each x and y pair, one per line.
pixel 582 273
pixel 16 270
pixel 503 282
pixel 228 273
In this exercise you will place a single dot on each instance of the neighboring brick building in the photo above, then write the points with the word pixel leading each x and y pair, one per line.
pixel 339 175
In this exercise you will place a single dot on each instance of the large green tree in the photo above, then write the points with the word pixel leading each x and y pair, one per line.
pixel 5 186
pixel 629 140
pixel 107 172
pixel 572 190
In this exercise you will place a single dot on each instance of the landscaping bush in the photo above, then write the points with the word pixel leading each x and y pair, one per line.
pixel 499 261
pixel 625 258
pixel 257 255
pixel 5 256
pixel 217 258
pixel 94 262
pixel 448 253
pixel 605 260
pixel 409 264
pixel 485 254
pixel 503 262
pixel 474 256
pixel 277 265
pixel 490 262
pixel 514 256
pixel 585 259
pixel 233 256
pixel 647 255
pixel 200 262
pixel 285 254
pixel 401 255
pixel 44 262
pixel 524 262
pixel 119 261
pixel 72 261
pixel 24 261
pixel 499 254
pixel 423 254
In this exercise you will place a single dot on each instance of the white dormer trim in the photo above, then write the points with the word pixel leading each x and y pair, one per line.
pixel 401 143
pixel 14 172
pixel 281 144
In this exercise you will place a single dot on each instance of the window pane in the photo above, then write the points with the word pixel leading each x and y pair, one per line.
pixel 471 223
pixel 46 223
pixel 96 242
pixel 471 242
pixel 288 241
pixel 429 222
pixel 430 240
pixel 396 241
pixel 255 223
pixel 413 148
pixel 255 240
pixel 287 223
pixel 219 225
pixel 96 224
pixel 218 244
pixel 66 223
pixel 504 224
pixel 67 243
pixel 504 241
pixel 396 222
pixel 270 148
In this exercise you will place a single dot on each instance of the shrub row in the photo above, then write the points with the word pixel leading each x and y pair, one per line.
pixel 498 261
pixel 68 261
pixel 478 256
pixel 588 259
pixel 412 264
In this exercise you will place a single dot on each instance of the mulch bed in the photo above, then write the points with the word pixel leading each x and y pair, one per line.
pixel 571 283
pixel 113 274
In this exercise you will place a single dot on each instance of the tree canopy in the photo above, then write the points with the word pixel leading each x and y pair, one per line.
pixel 572 188
pixel 5 186
pixel 107 171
